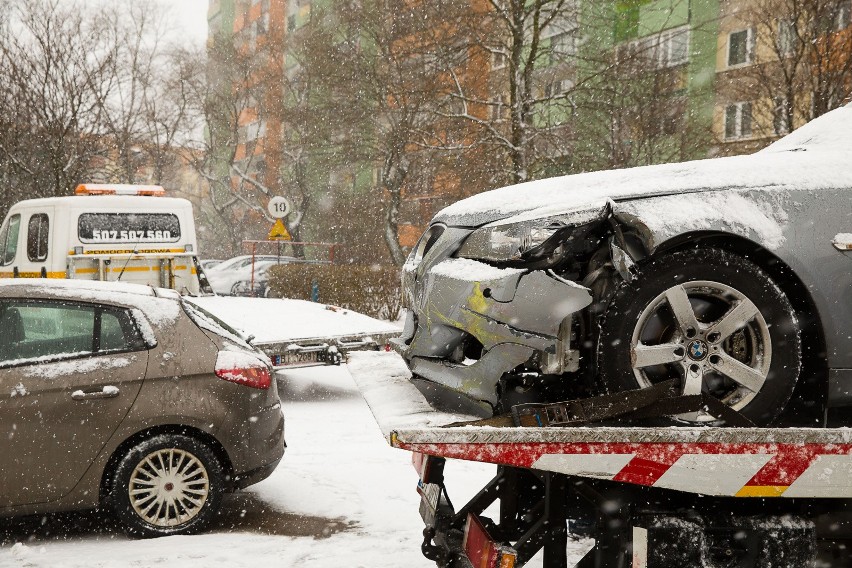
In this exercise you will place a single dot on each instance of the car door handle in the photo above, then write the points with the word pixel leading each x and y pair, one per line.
pixel 108 391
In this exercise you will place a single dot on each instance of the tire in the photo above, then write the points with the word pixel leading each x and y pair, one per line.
pixel 236 289
pixel 750 358
pixel 192 498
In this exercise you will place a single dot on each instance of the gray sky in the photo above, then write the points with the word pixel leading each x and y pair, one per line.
pixel 190 19
pixel 187 18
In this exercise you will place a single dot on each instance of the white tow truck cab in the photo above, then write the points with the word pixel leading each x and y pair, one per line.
pixel 109 232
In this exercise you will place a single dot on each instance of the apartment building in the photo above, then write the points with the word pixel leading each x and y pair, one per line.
pixel 779 63
pixel 629 81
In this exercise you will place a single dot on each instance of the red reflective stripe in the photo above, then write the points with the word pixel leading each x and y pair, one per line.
pixel 790 463
pixel 651 460
pixel 643 471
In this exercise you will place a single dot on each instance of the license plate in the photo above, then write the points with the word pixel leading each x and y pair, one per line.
pixel 430 494
pixel 296 358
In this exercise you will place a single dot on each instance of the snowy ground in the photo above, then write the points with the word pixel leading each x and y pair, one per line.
pixel 341 497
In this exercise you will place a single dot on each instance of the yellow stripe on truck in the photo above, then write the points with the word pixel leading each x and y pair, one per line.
pixel 130 251
pixel 5 274
pixel 762 491
pixel 128 269
pixel 134 268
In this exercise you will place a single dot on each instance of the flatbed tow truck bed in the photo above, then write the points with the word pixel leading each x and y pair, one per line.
pixel 650 496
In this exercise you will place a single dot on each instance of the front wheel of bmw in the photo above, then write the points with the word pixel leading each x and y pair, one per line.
pixel 166 485
pixel 711 320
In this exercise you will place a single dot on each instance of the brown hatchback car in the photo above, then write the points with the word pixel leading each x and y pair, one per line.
pixel 126 397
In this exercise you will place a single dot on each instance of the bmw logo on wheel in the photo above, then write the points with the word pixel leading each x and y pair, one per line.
pixel 697 350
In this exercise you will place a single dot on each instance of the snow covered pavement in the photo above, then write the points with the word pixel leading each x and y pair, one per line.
pixel 341 497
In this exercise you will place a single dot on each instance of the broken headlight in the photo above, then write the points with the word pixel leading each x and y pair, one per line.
pixel 506 241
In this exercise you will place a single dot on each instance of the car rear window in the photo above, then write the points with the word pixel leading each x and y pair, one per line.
pixel 128 228
pixel 207 321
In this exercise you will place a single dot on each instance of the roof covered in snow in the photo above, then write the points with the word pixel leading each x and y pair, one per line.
pixel 159 305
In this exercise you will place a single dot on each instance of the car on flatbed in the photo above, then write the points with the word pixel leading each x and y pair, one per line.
pixel 129 398
pixel 729 276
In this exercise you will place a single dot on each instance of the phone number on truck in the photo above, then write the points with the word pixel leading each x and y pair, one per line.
pixel 131 235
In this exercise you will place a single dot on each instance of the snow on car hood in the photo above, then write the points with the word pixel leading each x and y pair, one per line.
pixel 816 156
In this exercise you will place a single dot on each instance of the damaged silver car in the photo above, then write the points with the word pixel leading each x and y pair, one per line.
pixel 732 276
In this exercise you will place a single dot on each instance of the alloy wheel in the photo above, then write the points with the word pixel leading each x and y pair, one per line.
pixel 709 335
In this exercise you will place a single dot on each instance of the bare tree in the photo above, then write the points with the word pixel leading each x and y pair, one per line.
pixel 87 96
pixel 378 91
pixel 224 85
pixel 634 110
pixel 519 112
pixel 56 73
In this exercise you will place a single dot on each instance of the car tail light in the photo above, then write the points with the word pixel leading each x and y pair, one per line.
pixel 243 369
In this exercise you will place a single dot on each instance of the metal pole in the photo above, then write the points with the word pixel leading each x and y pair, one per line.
pixel 253 251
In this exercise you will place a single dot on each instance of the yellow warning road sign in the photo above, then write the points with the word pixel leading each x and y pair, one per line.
pixel 279 232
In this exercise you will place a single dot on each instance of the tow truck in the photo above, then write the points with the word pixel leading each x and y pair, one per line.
pixel 650 497
pixel 135 233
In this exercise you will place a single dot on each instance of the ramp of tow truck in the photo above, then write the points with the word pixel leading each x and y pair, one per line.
pixel 741 462
pixel 297 333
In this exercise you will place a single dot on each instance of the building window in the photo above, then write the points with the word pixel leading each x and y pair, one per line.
pixel 740 47
pixel 497 109
pixel 780 116
pixel 737 121
pixel 255 130
pixel 844 15
pixel 498 60
pixel 786 37
pixel 565 21
pixel 666 49
pixel 558 88
pixel 673 47
pixel 562 45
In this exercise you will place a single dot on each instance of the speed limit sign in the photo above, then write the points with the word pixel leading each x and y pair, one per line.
pixel 278 207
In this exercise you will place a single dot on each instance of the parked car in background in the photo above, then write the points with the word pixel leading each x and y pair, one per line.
pixel 242 261
pixel 209 263
pixel 237 279
pixel 128 397
pixel 259 287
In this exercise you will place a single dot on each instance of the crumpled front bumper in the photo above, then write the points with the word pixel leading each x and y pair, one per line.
pixel 519 317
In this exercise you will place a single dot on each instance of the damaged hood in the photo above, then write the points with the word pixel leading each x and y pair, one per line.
pixel 817 156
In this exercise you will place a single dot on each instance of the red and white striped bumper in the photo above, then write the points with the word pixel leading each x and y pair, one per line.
pixel 747 468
